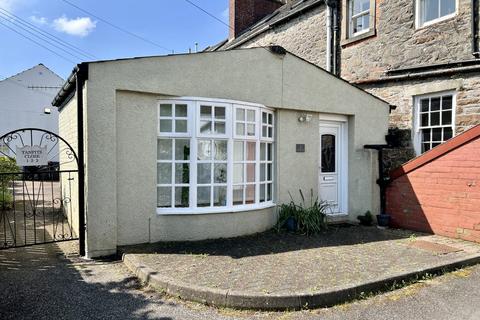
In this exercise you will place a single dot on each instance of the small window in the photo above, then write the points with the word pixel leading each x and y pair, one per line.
pixel 435 121
pixel 173 118
pixel 267 125
pixel 358 17
pixel 245 122
pixel 213 120
pixel 431 11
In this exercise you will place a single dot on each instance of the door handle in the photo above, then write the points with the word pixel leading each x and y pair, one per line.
pixel 328 179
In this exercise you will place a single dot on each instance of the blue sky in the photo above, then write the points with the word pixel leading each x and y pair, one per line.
pixel 174 24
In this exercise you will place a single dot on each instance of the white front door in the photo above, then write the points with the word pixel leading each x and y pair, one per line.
pixel 332 166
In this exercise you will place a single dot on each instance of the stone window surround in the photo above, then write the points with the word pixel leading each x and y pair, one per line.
pixel 346 39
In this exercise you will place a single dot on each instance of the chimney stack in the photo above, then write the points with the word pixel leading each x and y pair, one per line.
pixel 245 13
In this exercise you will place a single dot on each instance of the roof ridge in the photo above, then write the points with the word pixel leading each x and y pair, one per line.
pixel 29 69
pixel 437 152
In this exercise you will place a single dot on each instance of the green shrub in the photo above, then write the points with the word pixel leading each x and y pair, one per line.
pixel 310 217
pixel 366 219
pixel 7 165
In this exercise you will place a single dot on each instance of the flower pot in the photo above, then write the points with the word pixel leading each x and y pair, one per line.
pixel 383 220
pixel 291 224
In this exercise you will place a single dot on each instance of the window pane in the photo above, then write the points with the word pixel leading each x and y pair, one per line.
pixel 270 132
pixel 220 171
pixel 164 197
pixel 250 194
pixel 424 119
pixel 251 148
pixel 269 192
pixel 447 134
pixel 250 130
pixel 182 149
pixel 435 106
pixel 262 193
pixel 328 153
pixel 425 147
pixel 219 196
pixel 204 173
pixel 164 173
pixel 205 126
pixel 240 114
pixel 447 103
pixel 204 151
pixel 263 169
pixel 164 149
pixel 264 117
pixel 425 103
pixel 269 152
pixel 269 172
pixel 237 195
pixel 221 150
pixel 264 131
pixel 238 151
pixel 220 127
pixel 251 115
pixel 237 173
pixel 437 134
pixel 447 7
pixel 263 152
pixel 203 196
pixel 446 117
pixel 219 113
pixel 434 144
pixel 165 110
pixel 270 118
pixel 250 172
pixel 206 112
pixel 435 118
pixel 182 173
pixel 240 129
pixel 431 9
pixel 181 110
pixel 165 125
pixel 426 135
pixel 181 197
pixel 181 126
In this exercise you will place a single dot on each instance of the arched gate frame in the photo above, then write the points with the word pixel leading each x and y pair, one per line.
pixel 41 190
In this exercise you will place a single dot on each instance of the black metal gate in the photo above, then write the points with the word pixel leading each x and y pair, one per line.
pixel 39 189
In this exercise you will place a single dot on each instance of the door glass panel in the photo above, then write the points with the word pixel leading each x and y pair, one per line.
pixel 328 153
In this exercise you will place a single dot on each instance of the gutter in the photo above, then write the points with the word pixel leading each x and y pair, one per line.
pixel 66 93
pixel 420 75
pixel 475 50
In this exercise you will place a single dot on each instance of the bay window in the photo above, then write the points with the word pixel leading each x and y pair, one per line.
pixel 214 156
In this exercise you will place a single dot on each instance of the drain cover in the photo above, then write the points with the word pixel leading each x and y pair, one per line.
pixel 434 247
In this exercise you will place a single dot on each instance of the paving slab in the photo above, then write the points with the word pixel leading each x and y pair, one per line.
pixel 288 271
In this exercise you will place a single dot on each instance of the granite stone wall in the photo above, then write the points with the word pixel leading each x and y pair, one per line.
pixel 399 44
pixel 304 36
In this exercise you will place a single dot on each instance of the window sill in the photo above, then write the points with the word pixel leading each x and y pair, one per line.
pixel 435 21
pixel 358 38
pixel 200 211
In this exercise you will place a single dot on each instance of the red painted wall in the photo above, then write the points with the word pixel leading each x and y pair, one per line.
pixel 441 195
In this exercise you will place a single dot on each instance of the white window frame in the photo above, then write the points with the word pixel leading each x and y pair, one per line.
pixel 352 16
pixel 417 138
pixel 418 15
pixel 194 135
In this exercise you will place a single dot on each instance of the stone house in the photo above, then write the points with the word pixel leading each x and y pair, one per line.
pixel 418 55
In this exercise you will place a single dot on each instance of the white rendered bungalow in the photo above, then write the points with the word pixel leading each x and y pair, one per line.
pixel 204 146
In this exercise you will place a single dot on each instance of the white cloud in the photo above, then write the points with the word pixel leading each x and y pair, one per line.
pixel 76 27
pixel 10 5
pixel 39 20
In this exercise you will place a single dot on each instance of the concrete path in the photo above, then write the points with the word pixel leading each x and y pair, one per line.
pixel 41 283
pixel 273 271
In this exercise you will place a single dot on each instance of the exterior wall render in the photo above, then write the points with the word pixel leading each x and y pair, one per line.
pixel 120 203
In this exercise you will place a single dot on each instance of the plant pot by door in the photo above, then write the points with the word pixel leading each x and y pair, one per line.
pixel 291 224
pixel 383 220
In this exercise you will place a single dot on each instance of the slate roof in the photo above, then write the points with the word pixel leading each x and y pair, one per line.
pixel 279 16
